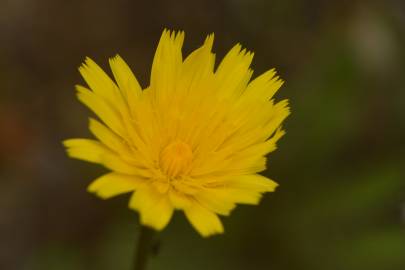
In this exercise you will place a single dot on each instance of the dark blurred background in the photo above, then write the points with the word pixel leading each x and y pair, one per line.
pixel 341 166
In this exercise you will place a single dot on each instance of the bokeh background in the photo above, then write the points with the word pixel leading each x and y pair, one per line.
pixel 341 166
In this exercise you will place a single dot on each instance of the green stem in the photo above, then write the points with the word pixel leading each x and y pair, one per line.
pixel 144 247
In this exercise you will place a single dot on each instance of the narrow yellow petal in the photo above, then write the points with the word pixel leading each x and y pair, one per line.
pixel 203 220
pixel 116 163
pixel 254 182
pixel 106 135
pixel 155 210
pixel 237 165
pixel 261 149
pixel 235 195
pixel 263 87
pixel 126 80
pixel 94 151
pixel 100 82
pixel 166 66
pixel 197 66
pixel 178 199
pixel 85 149
pixel 215 204
pixel 233 73
pixel 102 109
pixel 280 112
pixel 113 184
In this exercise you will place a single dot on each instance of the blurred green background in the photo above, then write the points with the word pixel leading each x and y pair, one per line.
pixel 341 166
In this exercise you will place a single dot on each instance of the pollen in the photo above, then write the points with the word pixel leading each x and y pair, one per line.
pixel 175 159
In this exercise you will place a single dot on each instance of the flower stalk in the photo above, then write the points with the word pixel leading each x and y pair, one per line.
pixel 144 247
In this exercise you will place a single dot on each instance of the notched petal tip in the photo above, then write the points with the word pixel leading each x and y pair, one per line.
pixel 209 41
pixel 114 59
pixel 86 64
pixel 173 35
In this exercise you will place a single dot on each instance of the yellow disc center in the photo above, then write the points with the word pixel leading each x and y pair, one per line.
pixel 176 158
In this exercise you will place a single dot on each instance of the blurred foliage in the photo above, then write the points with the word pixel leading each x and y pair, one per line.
pixel 341 200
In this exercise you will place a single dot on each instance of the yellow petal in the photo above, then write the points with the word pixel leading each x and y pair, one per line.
pixel 259 149
pixel 237 165
pixel 179 200
pixel 280 112
pixel 108 114
pixel 101 83
pixel 235 195
pixel 215 204
pixel 203 220
pixel 166 66
pixel 106 135
pixel 113 184
pixel 197 66
pixel 94 151
pixel 116 163
pixel 254 182
pixel 125 79
pixel 85 149
pixel 154 208
pixel 263 87
pixel 233 73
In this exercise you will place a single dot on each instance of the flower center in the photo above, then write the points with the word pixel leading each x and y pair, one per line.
pixel 176 158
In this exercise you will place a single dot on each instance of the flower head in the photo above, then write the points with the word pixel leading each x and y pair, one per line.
pixel 194 140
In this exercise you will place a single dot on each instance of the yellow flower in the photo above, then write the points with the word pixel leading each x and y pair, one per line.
pixel 193 140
